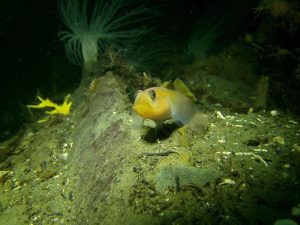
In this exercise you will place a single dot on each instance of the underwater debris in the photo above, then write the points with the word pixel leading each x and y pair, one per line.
pixel 278 140
pixel 220 115
pixel 178 177
pixel 3 176
pixel 255 156
pixel 249 39
pixel 274 113
pixel 227 181
pixel 164 153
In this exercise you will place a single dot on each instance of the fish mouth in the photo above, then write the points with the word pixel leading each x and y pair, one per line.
pixel 137 109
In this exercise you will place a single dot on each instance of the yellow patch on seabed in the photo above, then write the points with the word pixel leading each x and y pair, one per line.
pixel 183 158
pixel 184 137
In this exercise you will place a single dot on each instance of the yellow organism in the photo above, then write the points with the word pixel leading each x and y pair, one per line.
pixel 161 103
pixel 63 109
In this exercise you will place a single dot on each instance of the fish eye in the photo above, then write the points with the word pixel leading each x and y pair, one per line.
pixel 152 94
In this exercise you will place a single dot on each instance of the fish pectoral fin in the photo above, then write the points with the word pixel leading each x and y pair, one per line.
pixel 137 121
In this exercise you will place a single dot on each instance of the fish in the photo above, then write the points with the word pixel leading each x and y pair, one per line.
pixel 162 103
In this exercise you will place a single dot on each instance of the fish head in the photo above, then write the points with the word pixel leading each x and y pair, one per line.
pixel 152 104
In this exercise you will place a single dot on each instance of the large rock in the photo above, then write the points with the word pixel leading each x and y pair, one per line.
pixel 101 152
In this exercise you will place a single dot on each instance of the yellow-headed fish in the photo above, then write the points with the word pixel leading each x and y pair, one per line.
pixel 160 103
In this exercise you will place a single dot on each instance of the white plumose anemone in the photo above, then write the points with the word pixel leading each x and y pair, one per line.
pixel 107 24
